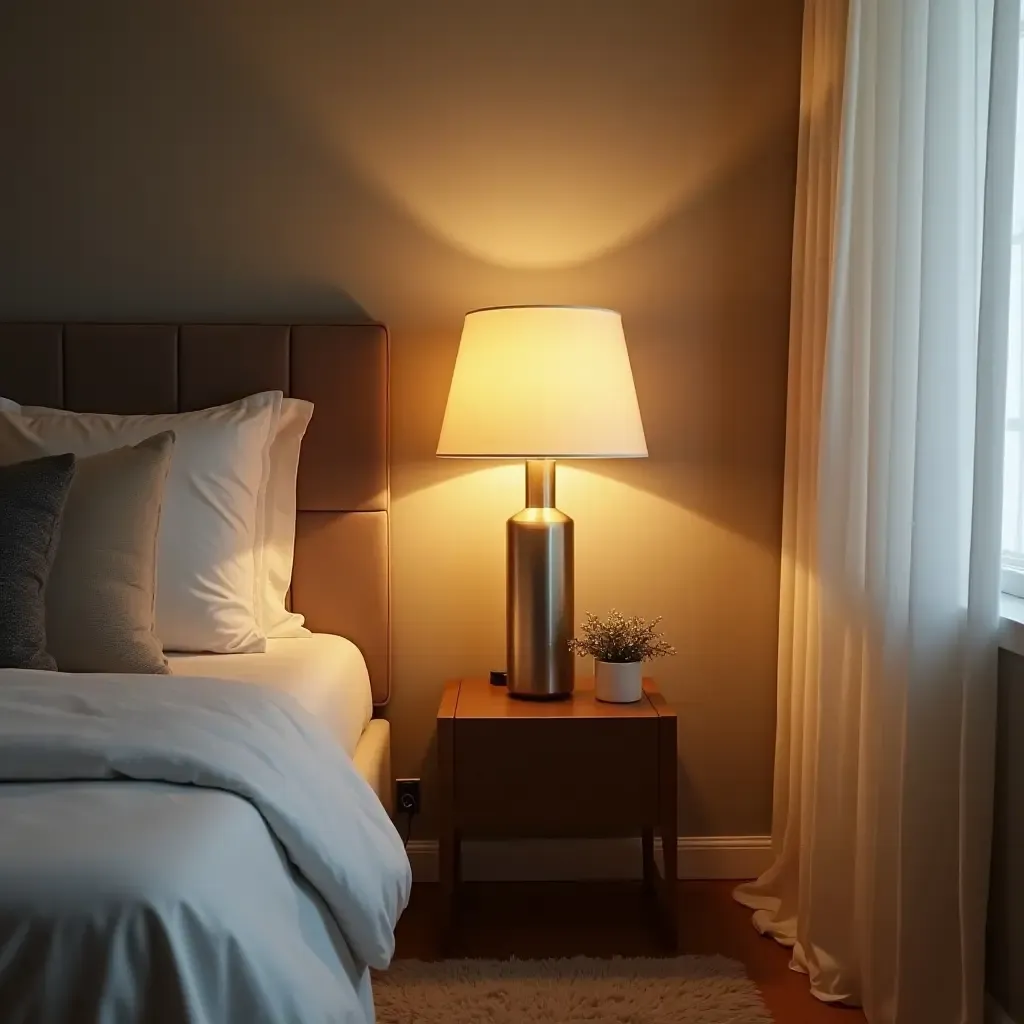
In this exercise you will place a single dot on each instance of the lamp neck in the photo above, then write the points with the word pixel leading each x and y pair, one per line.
pixel 540 483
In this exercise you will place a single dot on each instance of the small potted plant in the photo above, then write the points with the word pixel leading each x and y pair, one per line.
pixel 619 647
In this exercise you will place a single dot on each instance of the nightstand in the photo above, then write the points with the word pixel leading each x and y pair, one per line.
pixel 522 769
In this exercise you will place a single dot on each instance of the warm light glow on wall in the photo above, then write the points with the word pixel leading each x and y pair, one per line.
pixel 542 157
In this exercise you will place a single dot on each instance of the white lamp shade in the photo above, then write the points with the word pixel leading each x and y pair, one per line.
pixel 542 382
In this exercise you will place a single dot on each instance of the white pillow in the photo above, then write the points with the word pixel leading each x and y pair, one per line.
pixel 274 551
pixel 279 540
pixel 210 564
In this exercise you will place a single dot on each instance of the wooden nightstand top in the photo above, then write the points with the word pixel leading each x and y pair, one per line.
pixel 477 699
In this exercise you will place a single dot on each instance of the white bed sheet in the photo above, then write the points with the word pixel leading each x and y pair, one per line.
pixel 325 674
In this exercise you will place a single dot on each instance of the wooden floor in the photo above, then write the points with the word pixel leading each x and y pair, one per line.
pixel 555 919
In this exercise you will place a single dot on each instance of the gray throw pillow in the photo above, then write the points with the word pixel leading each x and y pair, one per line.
pixel 32 500
pixel 101 598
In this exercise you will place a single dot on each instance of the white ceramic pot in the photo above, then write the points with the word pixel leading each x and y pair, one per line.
pixel 618 682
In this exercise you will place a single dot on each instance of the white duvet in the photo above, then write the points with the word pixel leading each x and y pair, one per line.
pixel 180 849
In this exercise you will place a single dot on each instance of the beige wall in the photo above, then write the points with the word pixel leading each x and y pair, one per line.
pixel 410 160
pixel 1006 899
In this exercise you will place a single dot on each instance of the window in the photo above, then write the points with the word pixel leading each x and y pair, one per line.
pixel 1013 466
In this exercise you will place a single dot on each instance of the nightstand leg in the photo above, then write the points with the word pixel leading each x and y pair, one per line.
pixel 448 839
pixel 448 879
pixel 650 869
pixel 669 838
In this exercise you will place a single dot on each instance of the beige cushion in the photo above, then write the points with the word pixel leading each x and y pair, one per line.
pixel 101 595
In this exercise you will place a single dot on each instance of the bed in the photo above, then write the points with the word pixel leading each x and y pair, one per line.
pixel 340 675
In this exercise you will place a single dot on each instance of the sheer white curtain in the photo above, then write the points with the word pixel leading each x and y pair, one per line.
pixel 887 675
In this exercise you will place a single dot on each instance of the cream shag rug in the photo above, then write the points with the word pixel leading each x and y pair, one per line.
pixel 683 990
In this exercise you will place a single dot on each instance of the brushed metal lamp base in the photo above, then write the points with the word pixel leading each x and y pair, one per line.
pixel 539 592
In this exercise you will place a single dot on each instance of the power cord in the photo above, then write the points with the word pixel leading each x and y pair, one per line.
pixel 409 815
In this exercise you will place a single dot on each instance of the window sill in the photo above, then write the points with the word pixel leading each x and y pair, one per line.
pixel 1011 624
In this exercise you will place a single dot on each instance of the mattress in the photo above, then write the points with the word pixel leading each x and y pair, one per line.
pixel 325 674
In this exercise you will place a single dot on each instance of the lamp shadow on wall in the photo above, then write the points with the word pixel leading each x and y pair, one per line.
pixel 543 153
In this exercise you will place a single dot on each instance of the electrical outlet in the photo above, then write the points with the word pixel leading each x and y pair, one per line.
pixel 407 795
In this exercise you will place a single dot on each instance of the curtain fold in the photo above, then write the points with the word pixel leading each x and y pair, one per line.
pixel 891 546
pixel 776 896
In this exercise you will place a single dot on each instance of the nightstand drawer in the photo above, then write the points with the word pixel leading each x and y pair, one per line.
pixel 555 775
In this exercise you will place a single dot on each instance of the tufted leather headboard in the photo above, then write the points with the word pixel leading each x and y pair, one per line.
pixel 341 581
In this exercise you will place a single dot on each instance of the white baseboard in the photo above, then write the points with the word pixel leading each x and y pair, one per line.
pixel 995 1014
pixel 572 860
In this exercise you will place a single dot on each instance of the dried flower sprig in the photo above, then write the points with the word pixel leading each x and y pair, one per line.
pixel 619 639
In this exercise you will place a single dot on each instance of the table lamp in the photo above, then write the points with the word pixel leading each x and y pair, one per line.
pixel 541 383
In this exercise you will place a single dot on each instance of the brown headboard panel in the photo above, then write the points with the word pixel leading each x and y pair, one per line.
pixel 341 579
